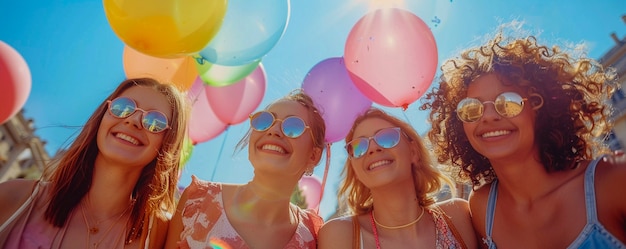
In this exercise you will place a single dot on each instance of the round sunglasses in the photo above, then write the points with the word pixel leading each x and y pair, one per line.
pixel 154 121
pixel 507 104
pixel 386 138
pixel 291 126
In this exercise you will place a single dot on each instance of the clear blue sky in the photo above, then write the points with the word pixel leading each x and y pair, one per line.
pixel 76 60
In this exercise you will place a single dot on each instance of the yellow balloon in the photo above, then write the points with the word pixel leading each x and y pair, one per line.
pixel 165 28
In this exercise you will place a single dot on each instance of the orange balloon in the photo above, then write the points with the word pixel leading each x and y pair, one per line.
pixel 181 72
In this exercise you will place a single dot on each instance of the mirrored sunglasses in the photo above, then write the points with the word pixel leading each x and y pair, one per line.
pixel 507 104
pixel 153 121
pixel 386 138
pixel 292 126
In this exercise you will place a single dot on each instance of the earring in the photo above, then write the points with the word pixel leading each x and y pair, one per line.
pixel 309 171
pixel 537 101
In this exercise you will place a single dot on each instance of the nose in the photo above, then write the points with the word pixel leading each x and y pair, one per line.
pixel 372 146
pixel 135 119
pixel 489 112
pixel 274 130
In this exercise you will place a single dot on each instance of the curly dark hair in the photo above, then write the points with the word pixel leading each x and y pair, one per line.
pixel 569 126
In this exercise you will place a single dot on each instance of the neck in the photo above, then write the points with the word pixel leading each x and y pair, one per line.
pixel 526 181
pixel 268 191
pixel 110 192
pixel 250 206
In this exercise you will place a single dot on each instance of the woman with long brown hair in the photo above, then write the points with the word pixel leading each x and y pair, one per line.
pixel 114 186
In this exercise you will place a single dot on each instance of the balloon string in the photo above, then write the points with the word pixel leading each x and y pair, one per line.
pixel 325 172
pixel 407 118
pixel 219 155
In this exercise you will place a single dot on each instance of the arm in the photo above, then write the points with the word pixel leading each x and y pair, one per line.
pixel 176 224
pixel 478 210
pixel 459 212
pixel 336 233
pixel 12 195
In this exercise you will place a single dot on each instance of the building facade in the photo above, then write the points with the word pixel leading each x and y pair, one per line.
pixel 22 153
pixel 616 59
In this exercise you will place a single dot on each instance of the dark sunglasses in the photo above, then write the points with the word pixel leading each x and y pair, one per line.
pixel 292 126
pixel 507 104
pixel 386 138
pixel 153 121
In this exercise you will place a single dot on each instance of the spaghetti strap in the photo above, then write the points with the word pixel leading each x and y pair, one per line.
pixel 590 192
pixel 356 233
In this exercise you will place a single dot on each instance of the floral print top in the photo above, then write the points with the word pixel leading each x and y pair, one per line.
pixel 207 226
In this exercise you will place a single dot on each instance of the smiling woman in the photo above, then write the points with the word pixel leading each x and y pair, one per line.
pixel 389 186
pixel 529 134
pixel 285 142
pixel 114 185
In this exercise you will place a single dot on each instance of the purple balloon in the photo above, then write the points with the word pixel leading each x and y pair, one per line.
pixel 336 96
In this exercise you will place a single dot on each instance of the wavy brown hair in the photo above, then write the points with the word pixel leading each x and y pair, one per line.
pixel 154 191
pixel 427 179
pixel 569 126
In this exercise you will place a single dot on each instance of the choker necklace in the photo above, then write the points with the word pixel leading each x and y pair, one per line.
pixel 400 226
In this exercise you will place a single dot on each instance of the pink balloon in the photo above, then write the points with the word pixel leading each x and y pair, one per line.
pixel 337 98
pixel 311 188
pixel 15 82
pixel 391 56
pixel 233 103
pixel 203 123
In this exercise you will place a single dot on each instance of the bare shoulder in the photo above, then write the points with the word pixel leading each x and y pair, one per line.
pixel 175 226
pixel 458 211
pixel 336 233
pixel 612 171
pixel 478 199
pixel 610 180
pixel 158 231
pixel 13 194
pixel 455 206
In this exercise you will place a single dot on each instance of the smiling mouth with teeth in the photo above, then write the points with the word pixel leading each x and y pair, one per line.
pixel 496 133
pixel 272 147
pixel 379 163
pixel 127 138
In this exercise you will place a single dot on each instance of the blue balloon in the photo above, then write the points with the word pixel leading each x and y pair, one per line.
pixel 249 31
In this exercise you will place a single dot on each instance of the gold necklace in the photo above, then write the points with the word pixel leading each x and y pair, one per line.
pixel 91 230
pixel 400 226
pixel 94 228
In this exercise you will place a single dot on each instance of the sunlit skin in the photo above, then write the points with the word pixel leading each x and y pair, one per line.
pixel 272 152
pixel 380 166
pixel 497 137
pixel 124 141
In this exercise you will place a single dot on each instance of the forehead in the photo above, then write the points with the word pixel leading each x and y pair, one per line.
pixel 148 99
pixel 370 126
pixel 286 108
pixel 488 86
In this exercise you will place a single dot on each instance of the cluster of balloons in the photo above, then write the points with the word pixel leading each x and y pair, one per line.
pixel 390 58
pixel 204 47
pixel 15 82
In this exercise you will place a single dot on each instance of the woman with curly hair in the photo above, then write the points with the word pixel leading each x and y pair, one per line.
pixel 389 187
pixel 114 186
pixel 525 123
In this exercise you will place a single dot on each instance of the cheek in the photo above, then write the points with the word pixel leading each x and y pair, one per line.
pixel 157 141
